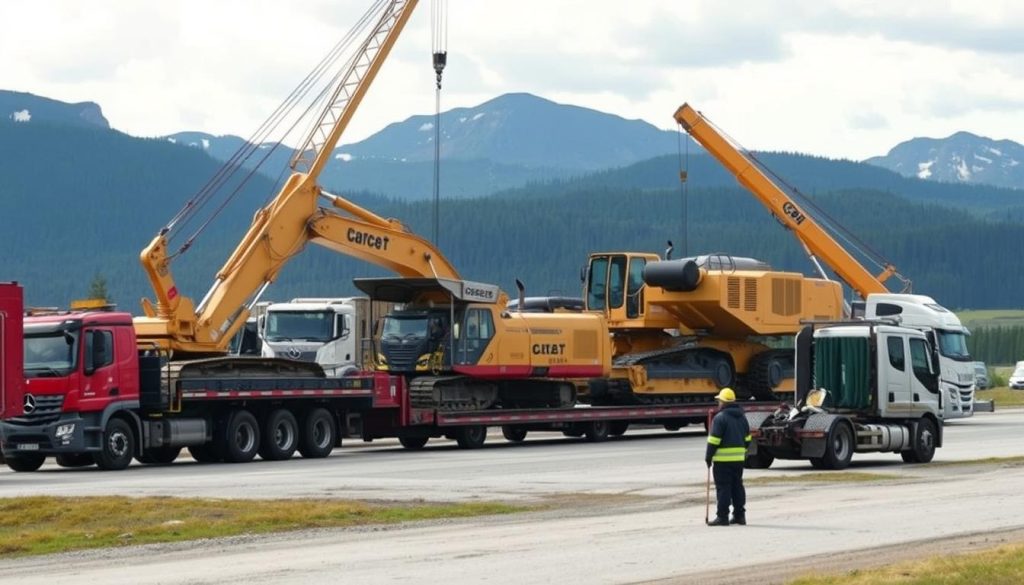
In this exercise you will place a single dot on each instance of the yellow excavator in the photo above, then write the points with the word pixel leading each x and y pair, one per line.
pixel 454 339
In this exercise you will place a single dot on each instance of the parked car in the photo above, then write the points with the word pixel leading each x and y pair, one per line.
pixel 981 381
pixel 1016 381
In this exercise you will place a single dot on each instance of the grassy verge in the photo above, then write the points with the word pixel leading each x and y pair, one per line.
pixel 1002 396
pixel 1012 460
pixel 824 477
pixel 41 525
pixel 1000 566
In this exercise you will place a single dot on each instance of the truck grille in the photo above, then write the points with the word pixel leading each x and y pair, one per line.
pixel 402 357
pixel 47 409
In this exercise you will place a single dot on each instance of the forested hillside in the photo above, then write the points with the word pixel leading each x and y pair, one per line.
pixel 79 202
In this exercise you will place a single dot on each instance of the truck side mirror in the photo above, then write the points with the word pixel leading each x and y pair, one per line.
pixel 261 322
pixel 95 349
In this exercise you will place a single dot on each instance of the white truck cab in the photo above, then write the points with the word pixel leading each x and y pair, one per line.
pixel 327 331
pixel 949 336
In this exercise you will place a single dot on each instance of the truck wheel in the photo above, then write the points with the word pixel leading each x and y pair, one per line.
pixel 471 437
pixel 117 447
pixel 922 450
pixel 597 431
pixel 25 461
pixel 74 459
pixel 241 438
pixel 839 448
pixel 280 436
pixel 316 438
pixel 760 460
pixel 159 455
pixel 618 428
pixel 413 443
pixel 513 433
pixel 205 453
pixel 818 463
pixel 575 431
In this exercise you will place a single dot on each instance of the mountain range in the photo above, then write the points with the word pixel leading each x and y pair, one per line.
pixel 81 200
pixel 960 158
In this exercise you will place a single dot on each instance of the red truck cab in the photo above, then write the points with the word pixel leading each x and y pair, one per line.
pixel 11 378
pixel 78 369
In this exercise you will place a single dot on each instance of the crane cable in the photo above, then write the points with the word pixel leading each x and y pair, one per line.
pixel 236 162
pixel 439 48
pixel 684 184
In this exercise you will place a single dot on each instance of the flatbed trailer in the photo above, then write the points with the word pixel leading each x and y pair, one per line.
pixel 393 416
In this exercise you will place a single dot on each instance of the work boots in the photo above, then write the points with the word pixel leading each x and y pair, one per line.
pixel 741 520
pixel 719 521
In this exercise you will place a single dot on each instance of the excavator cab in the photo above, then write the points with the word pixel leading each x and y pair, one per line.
pixel 614 285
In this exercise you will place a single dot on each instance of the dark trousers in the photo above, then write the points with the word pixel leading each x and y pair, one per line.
pixel 729 489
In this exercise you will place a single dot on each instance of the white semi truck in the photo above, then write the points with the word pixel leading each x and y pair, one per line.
pixel 328 331
pixel 957 380
pixel 861 386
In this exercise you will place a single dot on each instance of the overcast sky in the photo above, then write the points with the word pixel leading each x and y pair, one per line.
pixel 829 77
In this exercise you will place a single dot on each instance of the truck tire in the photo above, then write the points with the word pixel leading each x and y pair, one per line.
pixel 618 428
pixel 159 455
pixel 760 460
pixel 597 431
pixel 316 436
pixel 240 439
pixel 74 459
pixel 205 453
pixel 117 446
pixel 25 461
pixel 513 433
pixel 413 443
pixel 471 437
pixel 839 447
pixel 922 449
pixel 575 431
pixel 280 435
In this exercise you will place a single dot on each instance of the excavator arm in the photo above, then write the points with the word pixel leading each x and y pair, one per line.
pixel 282 229
pixel 814 238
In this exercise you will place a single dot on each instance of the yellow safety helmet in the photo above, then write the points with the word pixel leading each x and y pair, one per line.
pixel 726 395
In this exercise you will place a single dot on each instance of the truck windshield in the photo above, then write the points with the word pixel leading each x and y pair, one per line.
pixel 404 327
pixel 299 326
pixel 953 344
pixel 53 353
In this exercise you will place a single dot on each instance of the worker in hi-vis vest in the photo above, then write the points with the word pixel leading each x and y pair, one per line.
pixel 728 439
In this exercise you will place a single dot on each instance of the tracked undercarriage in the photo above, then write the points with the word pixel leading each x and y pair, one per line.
pixel 462 393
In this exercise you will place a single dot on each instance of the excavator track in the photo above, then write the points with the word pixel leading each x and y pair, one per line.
pixel 452 393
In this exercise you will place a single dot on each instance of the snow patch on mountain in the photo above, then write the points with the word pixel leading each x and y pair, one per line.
pixel 21 116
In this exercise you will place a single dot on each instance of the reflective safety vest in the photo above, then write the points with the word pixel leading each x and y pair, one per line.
pixel 729 435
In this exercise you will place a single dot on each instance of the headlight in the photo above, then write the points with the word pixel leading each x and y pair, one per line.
pixel 65 430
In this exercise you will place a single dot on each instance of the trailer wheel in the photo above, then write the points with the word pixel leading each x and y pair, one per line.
pixel 618 428
pixel 573 431
pixel 597 431
pixel 117 446
pixel 241 438
pixel 413 443
pixel 839 448
pixel 760 460
pixel 205 453
pixel 818 463
pixel 316 438
pixel 514 433
pixel 25 461
pixel 74 459
pixel 280 435
pixel 922 450
pixel 471 437
pixel 159 455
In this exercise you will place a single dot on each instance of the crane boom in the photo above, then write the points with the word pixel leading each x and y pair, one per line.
pixel 813 237
pixel 293 218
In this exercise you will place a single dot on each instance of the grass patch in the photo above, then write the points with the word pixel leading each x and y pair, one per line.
pixel 991 317
pixel 41 525
pixel 999 566
pixel 1014 460
pixel 825 477
pixel 1002 396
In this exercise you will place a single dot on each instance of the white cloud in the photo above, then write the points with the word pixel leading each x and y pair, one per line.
pixel 21 116
pixel 837 77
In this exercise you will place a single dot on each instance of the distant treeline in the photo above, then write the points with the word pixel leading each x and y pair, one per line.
pixel 77 203
pixel 997 345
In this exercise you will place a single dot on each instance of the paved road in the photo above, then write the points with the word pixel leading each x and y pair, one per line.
pixel 651 529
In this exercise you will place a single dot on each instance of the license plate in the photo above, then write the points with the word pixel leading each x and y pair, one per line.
pixel 28 446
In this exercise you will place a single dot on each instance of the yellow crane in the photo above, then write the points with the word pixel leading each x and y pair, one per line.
pixel 292 219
